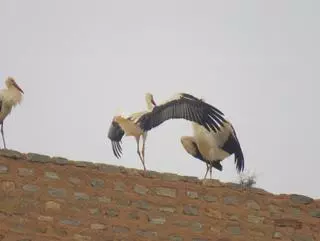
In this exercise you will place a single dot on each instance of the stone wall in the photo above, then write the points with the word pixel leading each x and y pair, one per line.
pixel 48 198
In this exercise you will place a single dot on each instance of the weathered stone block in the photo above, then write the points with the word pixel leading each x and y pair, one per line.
pixel 166 192
pixel 210 198
pixel 255 219
pixel 192 194
pixel 3 169
pixel 171 177
pixel 230 200
pixel 38 157
pixel 234 230
pixel 181 223
pixel 71 222
pixel 108 168
pixel 74 180
pixel 45 218
pixel 119 186
pixel 51 175
pixel 251 204
pixel 275 211
pixel 60 160
pixel 8 186
pixel 140 189
pixel 120 229
pixel 112 212
pixel 24 172
pixel 190 179
pixel 123 202
pixel 156 219
pixel 276 235
pixel 295 211
pixel 134 215
pixel 213 213
pixel 11 154
pixel 98 226
pixel 300 199
pixel 288 222
pixel 146 233
pixel 142 204
pixel 30 188
pixel 167 209
pixel 57 192
pixel 196 226
pixel 315 213
pixel 78 237
pixel 81 196
pixel 52 205
pixel 104 199
pixel 97 183
pixel 82 164
pixel 175 238
pixel 300 237
pixel 190 210
pixel 94 211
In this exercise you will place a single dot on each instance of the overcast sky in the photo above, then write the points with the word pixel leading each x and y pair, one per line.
pixel 81 62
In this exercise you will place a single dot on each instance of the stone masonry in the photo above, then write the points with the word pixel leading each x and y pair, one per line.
pixel 52 198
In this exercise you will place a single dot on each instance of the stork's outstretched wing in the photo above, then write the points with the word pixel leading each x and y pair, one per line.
pixel 115 134
pixel 184 106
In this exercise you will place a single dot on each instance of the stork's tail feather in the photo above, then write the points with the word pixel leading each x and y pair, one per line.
pixel 232 146
pixel 238 155
pixel 239 159
pixel 217 165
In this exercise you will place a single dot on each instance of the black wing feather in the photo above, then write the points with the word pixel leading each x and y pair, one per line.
pixel 186 107
pixel 115 134
pixel 231 146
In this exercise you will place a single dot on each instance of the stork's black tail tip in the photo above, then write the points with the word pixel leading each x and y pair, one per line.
pixel 217 165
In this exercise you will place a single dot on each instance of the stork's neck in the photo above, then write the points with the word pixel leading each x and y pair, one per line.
pixel 149 105
pixel 13 89
pixel 12 95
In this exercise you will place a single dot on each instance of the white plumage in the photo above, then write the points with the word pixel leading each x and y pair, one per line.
pixel 9 98
pixel 213 147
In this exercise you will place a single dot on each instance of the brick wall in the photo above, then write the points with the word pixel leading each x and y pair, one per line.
pixel 47 198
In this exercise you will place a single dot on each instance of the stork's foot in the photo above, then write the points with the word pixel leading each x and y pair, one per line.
pixel 145 172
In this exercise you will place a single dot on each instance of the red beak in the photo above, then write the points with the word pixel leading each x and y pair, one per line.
pixel 154 103
pixel 17 86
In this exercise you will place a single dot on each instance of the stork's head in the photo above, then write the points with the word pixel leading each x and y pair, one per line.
pixel 11 83
pixel 149 99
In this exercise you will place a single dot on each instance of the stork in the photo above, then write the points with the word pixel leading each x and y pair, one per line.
pixel 180 106
pixel 121 126
pixel 9 98
pixel 213 147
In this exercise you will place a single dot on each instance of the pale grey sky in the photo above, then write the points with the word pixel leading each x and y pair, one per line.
pixel 80 61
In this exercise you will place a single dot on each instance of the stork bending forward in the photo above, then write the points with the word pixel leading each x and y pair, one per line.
pixel 213 147
pixel 181 106
pixel 9 98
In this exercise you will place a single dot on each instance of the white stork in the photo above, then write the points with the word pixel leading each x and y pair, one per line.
pixel 121 126
pixel 9 97
pixel 213 147
pixel 181 106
